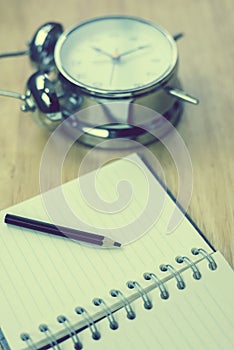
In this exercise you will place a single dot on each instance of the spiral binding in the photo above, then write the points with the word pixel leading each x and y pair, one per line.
pixel 211 263
pixel 71 331
pixel 90 322
pixel 159 283
pixel 108 313
pixel 175 273
pixel 125 303
pixel 26 337
pixel 142 293
pixel 191 264
pixel 52 342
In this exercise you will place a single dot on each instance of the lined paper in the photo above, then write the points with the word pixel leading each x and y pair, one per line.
pixel 43 277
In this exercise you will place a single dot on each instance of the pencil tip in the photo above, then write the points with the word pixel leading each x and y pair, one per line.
pixel 108 243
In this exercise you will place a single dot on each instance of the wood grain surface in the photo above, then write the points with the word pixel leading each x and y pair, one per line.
pixel 206 71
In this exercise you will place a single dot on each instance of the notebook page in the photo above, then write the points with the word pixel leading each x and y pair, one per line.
pixel 198 317
pixel 43 277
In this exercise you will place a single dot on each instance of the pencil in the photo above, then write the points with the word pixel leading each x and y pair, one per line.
pixel 60 231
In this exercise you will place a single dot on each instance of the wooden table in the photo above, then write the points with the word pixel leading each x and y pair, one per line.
pixel 206 70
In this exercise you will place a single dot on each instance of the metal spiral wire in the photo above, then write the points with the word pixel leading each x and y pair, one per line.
pixel 90 322
pixel 142 293
pixel 176 274
pixel 108 313
pixel 71 331
pixel 211 262
pixel 52 341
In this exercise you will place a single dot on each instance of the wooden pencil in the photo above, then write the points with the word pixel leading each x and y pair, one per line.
pixel 61 231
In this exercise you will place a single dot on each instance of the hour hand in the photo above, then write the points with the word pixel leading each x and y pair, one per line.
pixel 102 51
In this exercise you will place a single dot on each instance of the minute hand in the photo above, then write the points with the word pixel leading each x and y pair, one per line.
pixel 133 50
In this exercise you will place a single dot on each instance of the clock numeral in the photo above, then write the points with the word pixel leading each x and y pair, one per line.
pixel 133 38
pixel 114 35
pixel 97 84
pixel 94 39
pixel 75 62
pixel 81 75
pixel 156 60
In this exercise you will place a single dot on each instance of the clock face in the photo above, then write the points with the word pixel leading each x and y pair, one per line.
pixel 116 55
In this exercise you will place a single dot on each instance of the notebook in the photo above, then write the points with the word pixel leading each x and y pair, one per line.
pixel 157 291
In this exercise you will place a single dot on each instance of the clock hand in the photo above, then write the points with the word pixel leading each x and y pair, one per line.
pixel 116 56
pixel 102 51
pixel 133 50
pixel 112 72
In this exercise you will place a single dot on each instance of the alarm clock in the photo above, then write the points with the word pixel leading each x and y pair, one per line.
pixel 104 61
